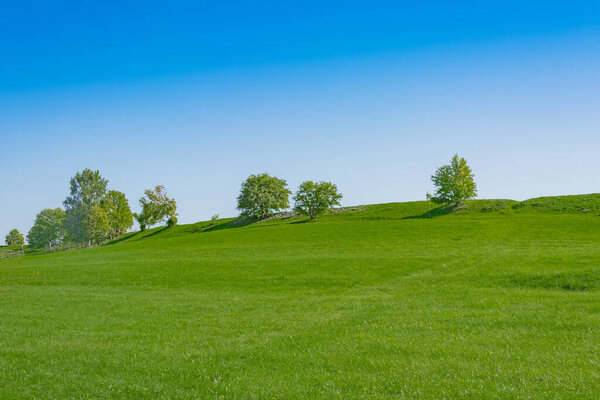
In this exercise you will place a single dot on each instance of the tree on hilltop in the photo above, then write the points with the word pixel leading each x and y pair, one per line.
pixel 87 189
pixel 313 199
pixel 454 182
pixel 157 207
pixel 262 195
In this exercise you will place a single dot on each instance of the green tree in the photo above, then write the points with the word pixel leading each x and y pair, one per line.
pixel 48 228
pixel 313 199
pixel 15 238
pixel 120 217
pixel 142 219
pixel 454 182
pixel 96 225
pixel 157 207
pixel 87 189
pixel 262 195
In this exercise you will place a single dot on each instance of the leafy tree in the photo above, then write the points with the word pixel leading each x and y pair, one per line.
pixel 142 219
pixel 87 189
pixel 15 238
pixel 313 199
pixel 454 182
pixel 172 221
pixel 157 207
pixel 97 225
pixel 48 228
pixel 118 213
pixel 262 195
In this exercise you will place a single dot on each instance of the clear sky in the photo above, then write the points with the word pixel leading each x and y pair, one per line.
pixel 371 95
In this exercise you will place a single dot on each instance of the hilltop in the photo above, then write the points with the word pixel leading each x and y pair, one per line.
pixel 588 204
pixel 496 299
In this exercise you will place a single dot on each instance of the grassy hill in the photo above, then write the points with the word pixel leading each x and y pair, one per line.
pixel 499 299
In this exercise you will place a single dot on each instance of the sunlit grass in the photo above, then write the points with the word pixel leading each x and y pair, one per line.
pixel 391 301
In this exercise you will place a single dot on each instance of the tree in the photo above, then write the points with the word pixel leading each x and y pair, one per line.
pixel 157 207
pixel 454 182
pixel 96 225
pixel 313 199
pixel 262 195
pixel 142 219
pixel 15 238
pixel 87 189
pixel 48 228
pixel 118 213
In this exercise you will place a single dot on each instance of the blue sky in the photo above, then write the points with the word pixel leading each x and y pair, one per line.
pixel 370 95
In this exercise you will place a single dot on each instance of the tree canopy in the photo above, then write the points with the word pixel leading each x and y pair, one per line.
pixel 313 199
pixel 14 238
pixel 87 189
pixel 118 213
pixel 262 195
pixel 157 207
pixel 97 225
pixel 454 182
pixel 48 227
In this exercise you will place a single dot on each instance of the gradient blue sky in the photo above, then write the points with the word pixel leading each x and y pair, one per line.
pixel 371 95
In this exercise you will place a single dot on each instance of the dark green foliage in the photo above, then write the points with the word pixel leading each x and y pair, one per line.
pixel 453 183
pixel 142 219
pixel 172 221
pixel 14 238
pixel 48 228
pixel 262 195
pixel 313 199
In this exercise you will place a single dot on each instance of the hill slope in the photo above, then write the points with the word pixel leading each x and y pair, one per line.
pixel 497 300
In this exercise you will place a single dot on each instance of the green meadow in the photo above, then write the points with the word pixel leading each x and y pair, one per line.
pixel 496 299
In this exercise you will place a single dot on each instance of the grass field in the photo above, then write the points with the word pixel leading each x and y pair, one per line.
pixel 497 300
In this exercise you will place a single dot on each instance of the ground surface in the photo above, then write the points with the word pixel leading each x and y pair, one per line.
pixel 497 300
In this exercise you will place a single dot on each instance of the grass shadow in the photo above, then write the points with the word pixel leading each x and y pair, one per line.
pixel 436 212
pixel 302 221
pixel 156 232
pixel 122 238
pixel 236 223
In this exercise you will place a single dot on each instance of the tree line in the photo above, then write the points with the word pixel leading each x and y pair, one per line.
pixel 93 214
